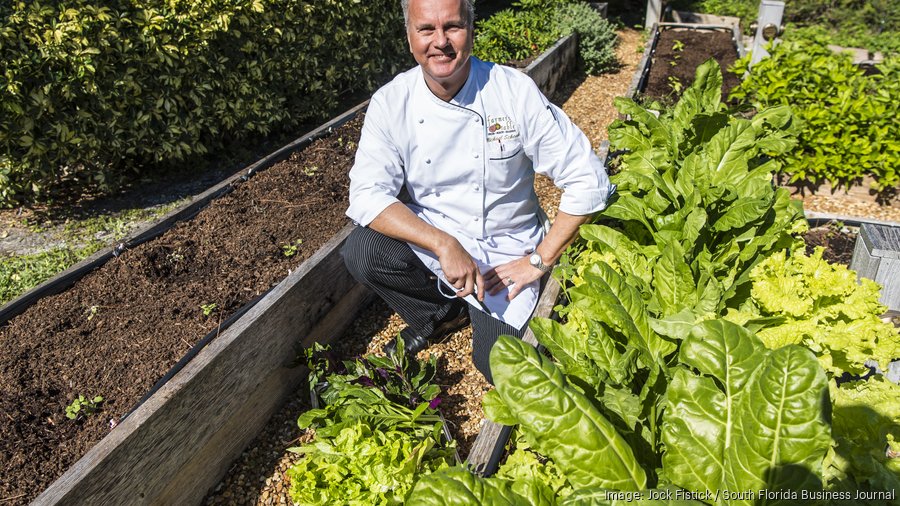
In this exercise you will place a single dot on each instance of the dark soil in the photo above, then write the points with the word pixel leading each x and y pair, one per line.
pixel 672 69
pixel 837 240
pixel 123 326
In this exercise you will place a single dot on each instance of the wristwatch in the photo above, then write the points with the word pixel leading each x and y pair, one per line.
pixel 536 261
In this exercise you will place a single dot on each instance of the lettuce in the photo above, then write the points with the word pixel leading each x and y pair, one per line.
pixel 363 466
pixel 867 429
pixel 808 301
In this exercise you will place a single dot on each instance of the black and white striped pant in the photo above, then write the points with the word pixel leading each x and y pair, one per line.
pixel 392 270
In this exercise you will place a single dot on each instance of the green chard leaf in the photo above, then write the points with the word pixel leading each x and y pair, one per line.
pixel 561 422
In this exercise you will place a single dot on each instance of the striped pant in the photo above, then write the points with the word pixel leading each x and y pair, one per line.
pixel 391 269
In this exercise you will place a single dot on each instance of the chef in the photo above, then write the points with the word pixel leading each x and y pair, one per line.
pixel 443 188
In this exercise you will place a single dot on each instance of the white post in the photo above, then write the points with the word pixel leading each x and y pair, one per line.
pixel 654 10
pixel 768 26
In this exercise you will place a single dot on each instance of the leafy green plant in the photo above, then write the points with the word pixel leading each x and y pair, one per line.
pixel 82 407
pixel 643 358
pixel 292 248
pixel 846 118
pixel 208 309
pixel 800 299
pixel 377 432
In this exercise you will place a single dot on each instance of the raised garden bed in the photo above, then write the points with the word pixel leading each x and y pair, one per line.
pixel 135 313
pixel 199 416
pixel 675 50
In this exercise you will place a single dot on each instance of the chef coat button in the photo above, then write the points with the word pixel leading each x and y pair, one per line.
pixel 475 187
pixel 428 160
pixel 421 120
pixel 477 120
pixel 476 218
pixel 475 155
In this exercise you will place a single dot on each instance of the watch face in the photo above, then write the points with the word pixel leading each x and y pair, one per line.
pixel 535 260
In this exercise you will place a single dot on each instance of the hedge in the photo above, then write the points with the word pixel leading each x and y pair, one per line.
pixel 94 89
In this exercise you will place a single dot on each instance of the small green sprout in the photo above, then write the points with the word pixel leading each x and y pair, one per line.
pixel 291 249
pixel 208 308
pixel 675 84
pixel 92 311
pixel 311 170
pixel 83 406
pixel 678 46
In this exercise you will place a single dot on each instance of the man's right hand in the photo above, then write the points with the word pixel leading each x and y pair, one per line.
pixel 460 269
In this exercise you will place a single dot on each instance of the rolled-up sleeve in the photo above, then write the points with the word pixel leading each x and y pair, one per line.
pixel 561 151
pixel 377 174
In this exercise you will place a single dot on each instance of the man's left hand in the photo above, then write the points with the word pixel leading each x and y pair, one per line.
pixel 512 275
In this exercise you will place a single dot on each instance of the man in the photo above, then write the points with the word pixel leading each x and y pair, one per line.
pixel 464 139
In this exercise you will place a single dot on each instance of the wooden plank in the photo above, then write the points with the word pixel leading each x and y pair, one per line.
pixel 876 256
pixel 176 445
pixel 185 211
pixel 490 445
pixel 554 64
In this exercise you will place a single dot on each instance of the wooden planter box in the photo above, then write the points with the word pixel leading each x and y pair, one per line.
pixel 178 443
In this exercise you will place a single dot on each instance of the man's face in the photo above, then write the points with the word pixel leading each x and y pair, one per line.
pixel 440 40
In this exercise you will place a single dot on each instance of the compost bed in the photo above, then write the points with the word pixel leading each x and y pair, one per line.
pixel 119 329
pixel 699 45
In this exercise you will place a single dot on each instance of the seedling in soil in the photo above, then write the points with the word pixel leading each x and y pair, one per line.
pixel 310 171
pixel 677 47
pixel 291 249
pixel 92 311
pixel 675 84
pixel 83 406
pixel 208 308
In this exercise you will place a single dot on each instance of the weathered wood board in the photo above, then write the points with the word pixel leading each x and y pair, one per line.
pixel 876 256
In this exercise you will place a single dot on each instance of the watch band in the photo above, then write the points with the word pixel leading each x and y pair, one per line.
pixel 536 261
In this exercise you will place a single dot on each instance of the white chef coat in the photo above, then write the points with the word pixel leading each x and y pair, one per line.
pixel 469 165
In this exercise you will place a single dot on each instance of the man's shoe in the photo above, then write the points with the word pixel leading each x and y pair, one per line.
pixel 413 344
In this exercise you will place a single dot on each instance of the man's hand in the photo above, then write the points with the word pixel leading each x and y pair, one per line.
pixel 512 275
pixel 460 269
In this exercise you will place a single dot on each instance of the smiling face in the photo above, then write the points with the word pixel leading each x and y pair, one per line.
pixel 440 39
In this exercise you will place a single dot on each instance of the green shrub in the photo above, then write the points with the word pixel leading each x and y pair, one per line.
pixel 517 34
pixel 597 37
pixel 847 120
pixel 511 35
pixel 94 89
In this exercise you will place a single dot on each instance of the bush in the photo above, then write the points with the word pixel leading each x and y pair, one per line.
pixel 95 89
pixel 597 37
pixel 847 120
pixel 511 35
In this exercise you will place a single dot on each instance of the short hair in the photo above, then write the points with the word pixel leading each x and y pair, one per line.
pixel 470 12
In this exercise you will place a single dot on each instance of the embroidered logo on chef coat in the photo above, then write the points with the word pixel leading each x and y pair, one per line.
pixel 501 128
